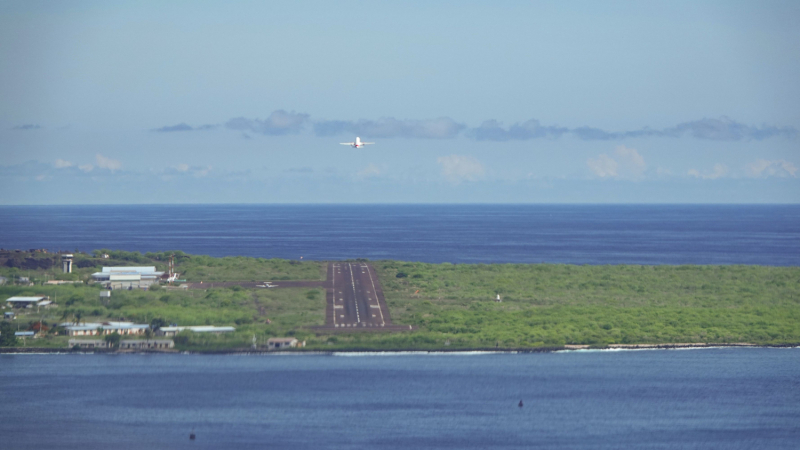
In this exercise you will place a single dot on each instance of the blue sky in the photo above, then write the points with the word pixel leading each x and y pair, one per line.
pixel 502 102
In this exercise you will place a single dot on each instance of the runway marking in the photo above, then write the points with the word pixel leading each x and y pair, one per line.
pixel 338 306
pixel 383 321
pixel 353 282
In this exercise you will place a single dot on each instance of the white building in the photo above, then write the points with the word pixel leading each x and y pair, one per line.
pixel 26 302
pixel 279 343
pixel 94 329
pixel 125 277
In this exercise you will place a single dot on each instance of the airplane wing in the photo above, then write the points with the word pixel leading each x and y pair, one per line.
pixel 346 143
pixel 367 143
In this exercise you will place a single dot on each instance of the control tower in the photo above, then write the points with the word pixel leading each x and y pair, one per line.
pixel 66 263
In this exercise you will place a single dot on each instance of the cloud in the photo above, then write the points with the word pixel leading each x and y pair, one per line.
pixel 763 168
pixel 300 170
pixel 62 164
pixel 491 130
pixel 370 171
pixel 28 126
pixel 278 123
pixel 184 127
pixel 172 128
pixel 186 169
pixel 626 163
pixel 86 168
pixel 458 168
pixel 107 163
pixel 603 166
pixel 721 129
pixel 718 171
pixel 389 127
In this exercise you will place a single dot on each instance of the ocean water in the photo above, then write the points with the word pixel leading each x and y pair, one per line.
pixel 574 234
pixel 659 399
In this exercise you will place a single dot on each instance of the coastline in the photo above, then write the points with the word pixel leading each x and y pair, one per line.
pixel 368 351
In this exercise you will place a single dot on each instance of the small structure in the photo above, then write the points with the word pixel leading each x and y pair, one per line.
pixel 9 315
pixel 88 343
pixel 279 343
pixel 172 330
pixel 66 263
pixel 3 280
pixel 24 334
pixel 25 302
pixel 46 304
pixel 105 294
pixel 498 298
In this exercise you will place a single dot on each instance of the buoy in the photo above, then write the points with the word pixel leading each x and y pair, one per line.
pixel 191 436
pixel 520 403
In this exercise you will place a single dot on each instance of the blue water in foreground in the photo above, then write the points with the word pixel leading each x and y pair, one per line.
pixel 575 234
pixel 677 399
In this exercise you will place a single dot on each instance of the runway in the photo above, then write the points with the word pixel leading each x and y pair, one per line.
pixel 356 297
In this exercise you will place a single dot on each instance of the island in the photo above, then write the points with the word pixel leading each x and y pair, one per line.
pixel 237 304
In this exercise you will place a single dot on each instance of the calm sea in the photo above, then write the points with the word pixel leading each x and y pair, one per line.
pixel 575 234
pixel 677 399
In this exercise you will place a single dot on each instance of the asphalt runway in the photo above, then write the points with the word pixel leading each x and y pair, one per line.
pixel 357 298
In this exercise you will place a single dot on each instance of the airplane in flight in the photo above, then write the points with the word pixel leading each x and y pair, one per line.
pixel 357 143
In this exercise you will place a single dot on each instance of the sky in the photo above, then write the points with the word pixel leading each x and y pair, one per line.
pixel 468 102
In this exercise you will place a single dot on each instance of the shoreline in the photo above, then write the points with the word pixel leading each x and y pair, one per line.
pixel 376 352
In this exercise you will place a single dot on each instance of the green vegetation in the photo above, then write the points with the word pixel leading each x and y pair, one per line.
pixel 553 305
pixel 543 305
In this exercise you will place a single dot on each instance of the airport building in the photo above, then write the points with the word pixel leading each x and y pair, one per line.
pixel 132 277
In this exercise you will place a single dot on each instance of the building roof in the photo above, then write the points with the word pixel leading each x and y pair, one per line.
pixel 24 333
pixel 25 299
pixel 134 269
pixel 199 329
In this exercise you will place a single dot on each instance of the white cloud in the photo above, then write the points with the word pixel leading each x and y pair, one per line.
pixel 719 171
pixel 201 171
pixel 182 167
pixel 40 177
pixel 458 168
pixel 370 171
pixel 86 168
pixel 62 164
pixel 626 163
pixel 774 168
pixel 107 163
pixel 603 166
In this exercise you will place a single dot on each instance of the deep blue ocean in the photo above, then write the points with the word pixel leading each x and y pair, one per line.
pixel 574 234
pixel 746 398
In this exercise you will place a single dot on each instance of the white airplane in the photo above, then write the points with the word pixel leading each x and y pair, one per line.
pixel 357 143
pixel 266 285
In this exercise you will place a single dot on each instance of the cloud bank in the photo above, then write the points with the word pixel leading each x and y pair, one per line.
pixel 281 123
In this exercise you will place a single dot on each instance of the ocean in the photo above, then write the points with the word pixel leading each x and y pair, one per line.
pixel 743 398
pixel 570 234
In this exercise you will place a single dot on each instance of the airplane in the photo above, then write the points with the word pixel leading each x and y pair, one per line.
pixel 357 143
pixel 266 285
